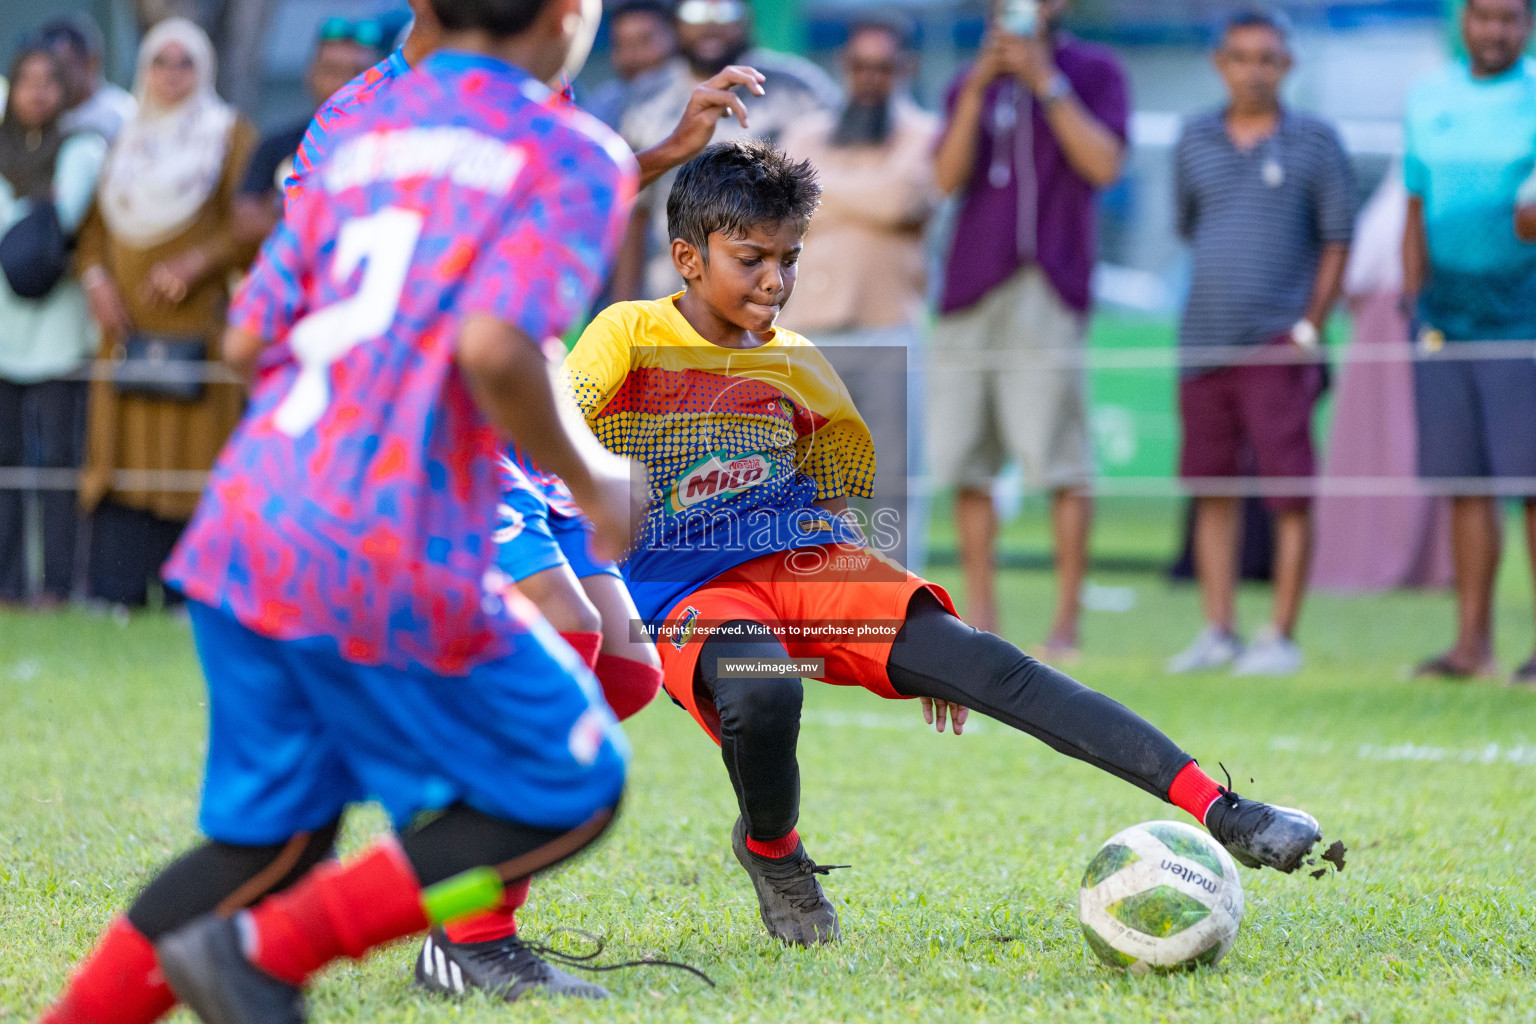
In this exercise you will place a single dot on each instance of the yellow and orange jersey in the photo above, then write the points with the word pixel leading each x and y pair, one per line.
pixel 740 443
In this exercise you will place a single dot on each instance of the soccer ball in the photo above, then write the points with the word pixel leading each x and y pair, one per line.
pixel 1160 895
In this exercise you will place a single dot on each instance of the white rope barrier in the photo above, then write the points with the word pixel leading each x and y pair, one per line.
pixel 181 481
pixel 192 481
pixel 1218 357
pixel 1085 357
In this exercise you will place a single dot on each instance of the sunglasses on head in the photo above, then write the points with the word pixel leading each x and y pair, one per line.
pixel 711 12
pixel 366 32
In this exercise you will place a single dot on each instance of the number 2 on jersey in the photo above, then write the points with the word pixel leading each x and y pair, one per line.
pixel 383 244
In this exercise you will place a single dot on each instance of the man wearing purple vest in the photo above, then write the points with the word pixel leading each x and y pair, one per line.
pixel 1035 128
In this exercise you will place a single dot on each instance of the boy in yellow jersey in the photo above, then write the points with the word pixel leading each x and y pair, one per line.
pixel 751 573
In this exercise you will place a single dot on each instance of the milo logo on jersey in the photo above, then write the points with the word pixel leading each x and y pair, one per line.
pixel 719 475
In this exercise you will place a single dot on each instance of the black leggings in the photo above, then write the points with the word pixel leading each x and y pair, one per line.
pixel 934 655
pixel 223 878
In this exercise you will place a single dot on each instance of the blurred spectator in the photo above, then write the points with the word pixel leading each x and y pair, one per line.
pixel 642 42
pixel 1471 142
pixel 712 35
pixel 1266 197
pixel 1035 128
pixel 156 254
pixel 95 104
pixel 1525 210
pixel 1378 542
pixel 862 277
pixel 344 49
pixel 42 340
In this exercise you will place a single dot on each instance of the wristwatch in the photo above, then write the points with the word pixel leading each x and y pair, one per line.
pixel 1304 334
pixel 1057 88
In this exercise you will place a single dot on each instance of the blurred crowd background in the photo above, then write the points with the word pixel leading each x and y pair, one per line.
pixel 1108 244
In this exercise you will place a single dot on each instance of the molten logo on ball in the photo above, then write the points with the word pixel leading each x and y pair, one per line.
pixel 1160 895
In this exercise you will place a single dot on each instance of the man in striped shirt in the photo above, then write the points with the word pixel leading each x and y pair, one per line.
pixel 1267 199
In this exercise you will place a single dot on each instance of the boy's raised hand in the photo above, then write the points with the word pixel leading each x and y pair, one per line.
pixel 711 100
pixel 934 712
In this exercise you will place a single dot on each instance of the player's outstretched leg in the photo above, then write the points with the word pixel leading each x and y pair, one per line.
pixel 759 729
pixel 938 656
pixel 121 981
pixel 251 969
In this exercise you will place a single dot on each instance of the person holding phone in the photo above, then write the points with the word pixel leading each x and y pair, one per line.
pixel 1034 129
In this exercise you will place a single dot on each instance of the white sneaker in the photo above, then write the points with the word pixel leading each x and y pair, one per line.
pixel 1214 648
pixel 1270 654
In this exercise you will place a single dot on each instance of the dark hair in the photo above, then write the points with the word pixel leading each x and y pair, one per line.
pixel 500 18
pixel 77 31
pixel 1530 5
pixel 27 163
pixel 34 49
pixel 1259 17
pixel 653 7
pixel 892 23
pixel 733 187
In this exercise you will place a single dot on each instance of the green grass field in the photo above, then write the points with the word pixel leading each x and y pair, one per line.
pixel 966 853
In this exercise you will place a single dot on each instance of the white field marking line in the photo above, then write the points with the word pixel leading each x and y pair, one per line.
pixel 1522 755
pixel 26 670
pixel 886 720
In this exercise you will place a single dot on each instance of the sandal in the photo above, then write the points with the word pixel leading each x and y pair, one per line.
pixel 1443 668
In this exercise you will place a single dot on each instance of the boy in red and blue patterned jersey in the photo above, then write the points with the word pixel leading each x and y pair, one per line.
pixel 543 544
pixel 543 541
pixel 340 570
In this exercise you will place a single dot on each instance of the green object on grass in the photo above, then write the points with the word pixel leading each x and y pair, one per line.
pixel 468 892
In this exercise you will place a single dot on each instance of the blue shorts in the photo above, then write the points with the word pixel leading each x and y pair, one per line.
pixel 530 539
pixel 1476 417
pixel 296 733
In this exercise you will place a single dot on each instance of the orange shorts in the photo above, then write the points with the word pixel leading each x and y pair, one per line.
pixel 838 602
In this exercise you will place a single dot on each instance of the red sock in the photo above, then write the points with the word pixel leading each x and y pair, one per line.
pixel 336 910
pixel 775 848
pixel 495 924
pixel 627 685
pixel 119 983
pixel 585 644
pixel 1193 791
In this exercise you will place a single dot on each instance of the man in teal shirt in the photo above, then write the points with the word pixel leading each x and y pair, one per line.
pixel 1471 144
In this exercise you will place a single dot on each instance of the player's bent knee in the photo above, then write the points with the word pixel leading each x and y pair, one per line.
pixel 761 708
pixel 461 838
pixel 225 877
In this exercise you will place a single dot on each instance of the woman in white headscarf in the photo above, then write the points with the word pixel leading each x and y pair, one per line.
pixel 155 257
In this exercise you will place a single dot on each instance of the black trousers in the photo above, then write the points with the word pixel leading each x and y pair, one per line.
pixel 42 425
pixel 935 655
pixel 128 546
